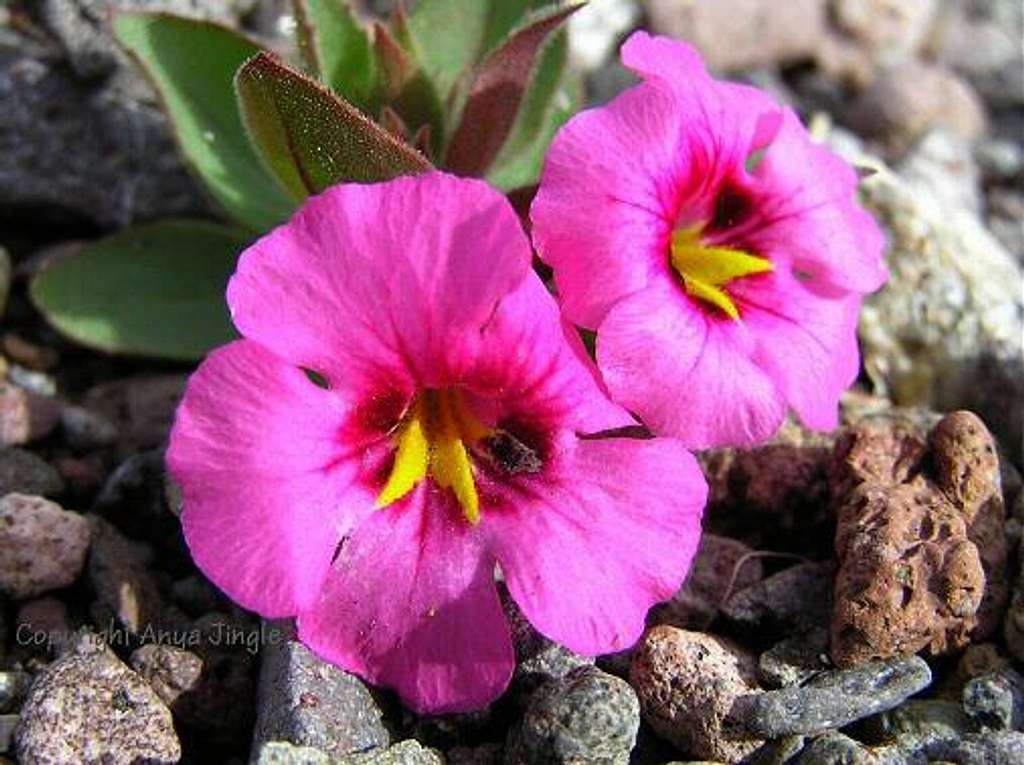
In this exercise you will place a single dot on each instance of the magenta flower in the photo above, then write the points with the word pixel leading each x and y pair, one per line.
pixel 449 437
pixel 720 255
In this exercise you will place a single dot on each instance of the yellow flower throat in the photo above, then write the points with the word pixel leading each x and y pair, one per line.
pixel 706 270
pixel 432 440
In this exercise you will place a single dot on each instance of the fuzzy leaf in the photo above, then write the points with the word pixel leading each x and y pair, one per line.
pixel 155 290
pixel 407 89
pixel 497 93
pixel 192 63
pixel 522 157
pixel 337 49
pixel 310 138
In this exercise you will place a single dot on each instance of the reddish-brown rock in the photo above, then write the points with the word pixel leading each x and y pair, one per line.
pixel 687 683
pixel 922 554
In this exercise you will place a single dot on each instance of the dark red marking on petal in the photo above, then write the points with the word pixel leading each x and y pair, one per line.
pixel 732 207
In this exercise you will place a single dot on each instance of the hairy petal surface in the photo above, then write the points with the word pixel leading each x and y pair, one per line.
pixel 685 373
pixel 267 484
pixel 383 279
pixel 611 532
pixel 410 603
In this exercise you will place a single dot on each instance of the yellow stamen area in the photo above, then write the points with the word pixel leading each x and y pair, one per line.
pixel 705 270
pixel 432 441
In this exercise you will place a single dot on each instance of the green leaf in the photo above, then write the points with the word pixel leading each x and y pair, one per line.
pixel 453 35
pixel 312 139
pixel 155 290
pixel 498 91
pixel 338 50
pixel 520 161
pixel 192 63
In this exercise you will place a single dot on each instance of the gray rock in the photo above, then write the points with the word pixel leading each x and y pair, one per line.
pixel 7 725
pixel 794 660
pixel 981 39
pixel 306 701
pixel 13 685
pixel 916 725
pixel 908 99
pixel 996 700
pixel 408 752
pixel 97 151
pixel 84 429
pixel 538 660
pixel 587 716
pixel 121 576
pixel 43 626
pixel 887 34
pixel 834 748
pixel 1013 624
pixel 44 545
pixel 796 598
pixel 743 33
pixel 284 753
pixel 87 707
pixel 722 566
pixel 832 699
pixel 986 748
pixel 999 159
pixel 941 164
pixel 80 26
pixel 22 472
pixel 1005 213
pixel 687 683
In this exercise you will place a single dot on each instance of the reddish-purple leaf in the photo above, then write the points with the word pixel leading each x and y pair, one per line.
pixel 497 92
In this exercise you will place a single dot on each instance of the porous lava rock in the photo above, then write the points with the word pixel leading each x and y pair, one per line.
pixel 919 538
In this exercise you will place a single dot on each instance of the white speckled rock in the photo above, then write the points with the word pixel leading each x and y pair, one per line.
pixel 88 707
pixel 946 330
pixel 44 545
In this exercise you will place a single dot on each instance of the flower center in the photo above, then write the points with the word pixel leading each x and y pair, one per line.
pixel 706 270
pixel 433 441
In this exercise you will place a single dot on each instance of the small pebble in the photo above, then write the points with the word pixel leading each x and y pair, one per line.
pixel 25 416
pixel 917 725
pixel 13 685
pixel 796 598
pixel 23 472
pixel 121 576
pixel 996 700
pixel 310 702
pixel 832 699
pixel 586 716
pixel 84 429
pixel 286 753
pixel 794 660
pixel 44 545
pixel 835 748
pixel 7 725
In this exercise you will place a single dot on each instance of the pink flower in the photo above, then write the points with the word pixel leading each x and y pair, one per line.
pixel 447 439
pixel 720 255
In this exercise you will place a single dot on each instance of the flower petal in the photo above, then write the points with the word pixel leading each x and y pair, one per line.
pixel 806 341
pixel 612 532
pixel 602 215
pixel 381 278
pixel 267 485
pixel 533 364
pixel 685 373
pixel 410 603
pixel 809 214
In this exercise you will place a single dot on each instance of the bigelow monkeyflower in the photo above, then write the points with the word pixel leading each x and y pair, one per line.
pixel 719 253
pixel 448 427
